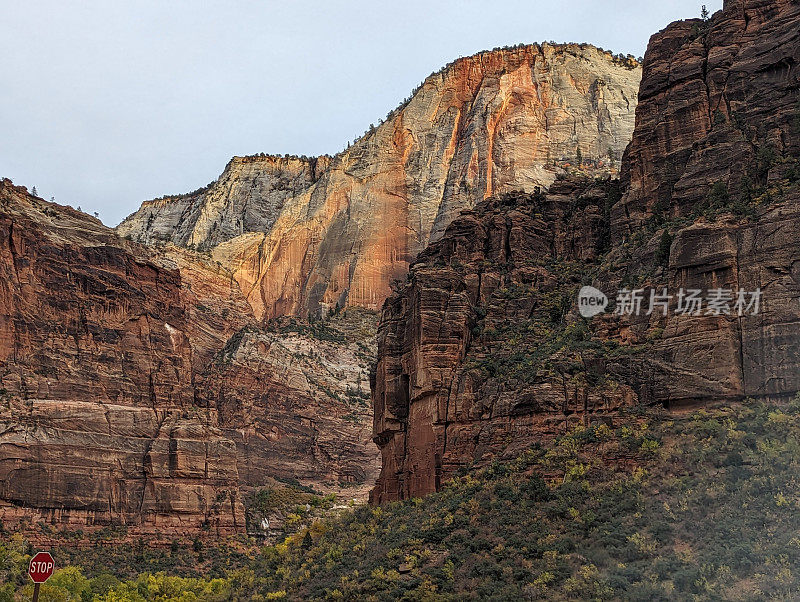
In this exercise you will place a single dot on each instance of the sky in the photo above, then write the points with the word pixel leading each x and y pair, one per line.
pixel 107 103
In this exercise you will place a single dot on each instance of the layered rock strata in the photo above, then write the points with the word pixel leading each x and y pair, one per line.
pixel 98 419
pixel 305 235
pixel 718 102
pixel 469 368
pixel 474 359
pixel 138 389
pixel 295 400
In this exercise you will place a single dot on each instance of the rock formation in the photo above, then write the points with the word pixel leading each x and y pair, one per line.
pixel 138 389
pixel 295 400
pixel 247 197
pixel 717 99
pixel 303 235
pixel 98 420
pixel 473 358
pixel 482 351
pixel 144 386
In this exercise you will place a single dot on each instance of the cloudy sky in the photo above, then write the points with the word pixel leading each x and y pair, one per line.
pixel 108 103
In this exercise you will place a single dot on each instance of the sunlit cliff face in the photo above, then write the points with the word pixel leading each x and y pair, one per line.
pixel 303 234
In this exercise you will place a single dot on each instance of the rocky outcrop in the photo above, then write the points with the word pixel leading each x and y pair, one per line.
pixel 138 389
pixel 305 235
pixel 98 424
pixel 473 356
pixel 718 103
pixel 482 352
pixel 295 400
pixel 718 130
pixel 708 357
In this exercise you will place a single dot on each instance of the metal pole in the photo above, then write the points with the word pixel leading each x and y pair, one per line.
pixel 36 592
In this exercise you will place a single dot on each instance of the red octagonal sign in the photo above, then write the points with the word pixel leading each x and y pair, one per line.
pixel 41 567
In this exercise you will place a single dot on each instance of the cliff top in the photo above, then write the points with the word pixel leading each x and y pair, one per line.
pixel 518 51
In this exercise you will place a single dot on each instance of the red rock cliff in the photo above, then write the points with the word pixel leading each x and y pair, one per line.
pixel 482 353
pixel 137 388
pixel 473 356
pixel 716 99
pixel 98 418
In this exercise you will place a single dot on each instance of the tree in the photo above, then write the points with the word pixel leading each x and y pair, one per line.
pixel 664 246
pixel 578 156
pixel 33 191
pixel 704 14
pixel 307 541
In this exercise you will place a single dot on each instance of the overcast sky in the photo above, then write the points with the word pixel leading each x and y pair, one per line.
pixel 107 103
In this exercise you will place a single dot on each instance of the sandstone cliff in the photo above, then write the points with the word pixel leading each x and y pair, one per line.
pixel 482 352
pixel 98 420
pixel 138 389
pixel 305 235
pixel 474 358
pixel 718 102
pixel 142 385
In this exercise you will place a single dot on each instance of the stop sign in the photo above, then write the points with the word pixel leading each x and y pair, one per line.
pixel 41 567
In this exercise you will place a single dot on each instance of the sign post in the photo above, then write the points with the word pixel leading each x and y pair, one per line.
pixel 40 568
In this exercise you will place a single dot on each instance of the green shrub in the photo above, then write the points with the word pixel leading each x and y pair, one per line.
pixel 664 246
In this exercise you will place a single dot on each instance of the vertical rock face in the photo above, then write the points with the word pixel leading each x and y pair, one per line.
pixel 482 354
pixel 716 99
pixel 717 357
pixel 137 388
pixel 718 125
pixel 469 365
pixel 340 230
pixel 472 357
pixel 98 423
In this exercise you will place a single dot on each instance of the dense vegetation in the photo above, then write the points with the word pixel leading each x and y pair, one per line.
pixel 701 505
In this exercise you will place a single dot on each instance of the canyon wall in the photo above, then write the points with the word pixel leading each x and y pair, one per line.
pixel 98 420
pixel 138 389
pixel 482 352
pixel 247 197
pixel 472 358
pixel 717 101
pixel 303 235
